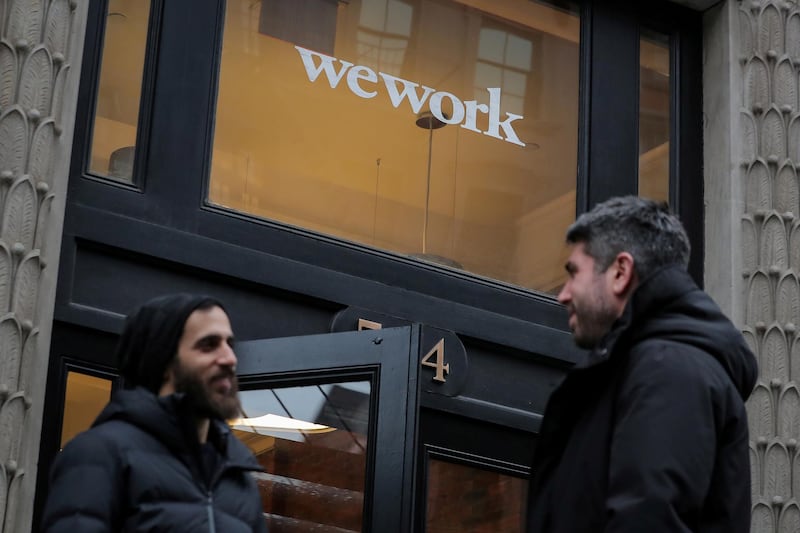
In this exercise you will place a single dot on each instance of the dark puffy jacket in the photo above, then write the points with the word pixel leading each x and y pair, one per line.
pixel 136 470
pixel 650 432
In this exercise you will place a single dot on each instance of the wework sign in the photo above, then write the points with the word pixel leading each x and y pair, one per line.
pixel 365 83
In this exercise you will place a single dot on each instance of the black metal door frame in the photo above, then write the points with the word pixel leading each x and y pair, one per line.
pixel 388 359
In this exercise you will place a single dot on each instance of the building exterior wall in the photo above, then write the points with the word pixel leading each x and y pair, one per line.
pixel 752 199
pixel 41 44
pixel 752 153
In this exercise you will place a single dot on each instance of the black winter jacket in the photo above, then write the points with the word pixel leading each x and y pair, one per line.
pixel 139 468
pixel 650 432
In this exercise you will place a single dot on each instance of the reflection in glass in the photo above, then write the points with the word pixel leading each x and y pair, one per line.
pixel 119 89
pixel 464 498
pixel 316 474
pixel 504 60
pixel 85 397
pixel 654 115
pixel 383 33
pixel 331 135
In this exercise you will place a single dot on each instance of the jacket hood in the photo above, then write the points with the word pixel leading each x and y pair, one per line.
pixel 169 419
pixel 149 340
pixel 669 305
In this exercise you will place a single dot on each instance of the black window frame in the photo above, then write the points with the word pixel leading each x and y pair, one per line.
pixel 70 353
pixel 167 200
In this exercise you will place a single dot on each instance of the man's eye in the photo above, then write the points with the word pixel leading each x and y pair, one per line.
pixel 208 344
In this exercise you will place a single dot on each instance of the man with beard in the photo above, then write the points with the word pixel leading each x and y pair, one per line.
pixel 160 456
pixel 649 432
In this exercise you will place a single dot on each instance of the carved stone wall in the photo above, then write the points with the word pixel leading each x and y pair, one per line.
pixel 40 49
pixel 768 43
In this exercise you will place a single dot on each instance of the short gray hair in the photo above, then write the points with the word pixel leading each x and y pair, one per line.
pixel 645 229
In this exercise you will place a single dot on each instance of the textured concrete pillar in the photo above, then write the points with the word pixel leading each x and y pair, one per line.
pixel 752 145
pixel 724 203
pixel 41 44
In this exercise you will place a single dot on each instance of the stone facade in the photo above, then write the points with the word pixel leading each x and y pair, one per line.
pixel 765 62
pixel 41 42
pixel 752 199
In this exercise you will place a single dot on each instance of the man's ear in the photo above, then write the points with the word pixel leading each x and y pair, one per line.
pixel 624 275
pixel 168 380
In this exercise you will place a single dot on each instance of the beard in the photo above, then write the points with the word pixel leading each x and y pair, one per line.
pixel 594 317
pixel 204 400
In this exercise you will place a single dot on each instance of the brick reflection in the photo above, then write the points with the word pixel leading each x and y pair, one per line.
pixel 464 499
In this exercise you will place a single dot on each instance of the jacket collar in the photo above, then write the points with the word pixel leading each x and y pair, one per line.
pixel 169 419
pixel 652 294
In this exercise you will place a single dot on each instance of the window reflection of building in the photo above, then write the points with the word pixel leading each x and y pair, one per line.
pixel 308 23
pixel 384 28
pixel 342 407
pixel 468 498
pixel 356 168
pixel 364 180
pixel 503 60
pixel 315 480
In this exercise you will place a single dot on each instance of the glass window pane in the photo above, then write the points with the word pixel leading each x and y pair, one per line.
pixel 399 20
pixel 117 112
pixel 463 498
pixel 338 141
pixel 519 52
pixel 515 82
pixel 491 45
pixel 312 441
pixel 487 75
pixel 654 115
pixel 85 397
pixel 373 15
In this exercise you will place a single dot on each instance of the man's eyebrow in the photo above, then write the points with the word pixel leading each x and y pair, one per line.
pixel 213 337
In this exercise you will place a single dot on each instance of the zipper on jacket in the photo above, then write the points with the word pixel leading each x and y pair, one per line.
pixel 210 508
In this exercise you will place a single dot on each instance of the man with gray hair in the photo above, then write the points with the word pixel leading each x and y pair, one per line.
pixel 649 432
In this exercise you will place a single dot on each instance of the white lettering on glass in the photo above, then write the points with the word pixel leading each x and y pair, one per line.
pixel 361 73
pixel 409 91
pixel 398 89
pixel 436 108
pixel 326 65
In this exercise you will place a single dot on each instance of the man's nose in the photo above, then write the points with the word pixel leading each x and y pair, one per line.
pixel 564 295
pixel 227 357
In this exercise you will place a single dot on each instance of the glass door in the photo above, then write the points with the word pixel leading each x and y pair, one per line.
pixel 332 420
